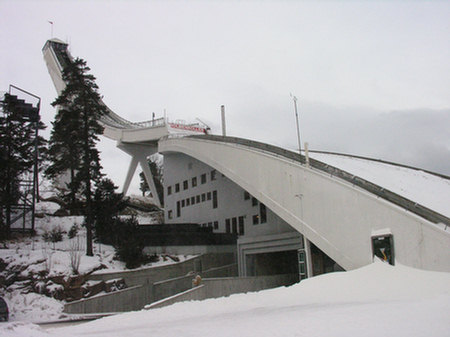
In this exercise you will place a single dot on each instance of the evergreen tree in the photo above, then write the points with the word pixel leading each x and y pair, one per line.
pixel 18 125
pixel 107 204
pixel 74 137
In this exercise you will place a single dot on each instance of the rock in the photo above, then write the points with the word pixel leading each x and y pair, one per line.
pixel 91 288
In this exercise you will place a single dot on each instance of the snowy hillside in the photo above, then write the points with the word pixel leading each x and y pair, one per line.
pixel 376 300
pixel 27 266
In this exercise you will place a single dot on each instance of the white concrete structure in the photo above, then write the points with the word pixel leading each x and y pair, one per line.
pixel 126 133
pixel 343 215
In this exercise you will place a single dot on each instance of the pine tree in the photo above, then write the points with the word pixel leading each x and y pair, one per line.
pixel 74 137
pixel 106 206
pixel 18 125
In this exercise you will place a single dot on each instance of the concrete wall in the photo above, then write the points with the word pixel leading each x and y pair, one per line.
pixel 154 274
pixel 221 287
pixel 136 297
pixel 338 217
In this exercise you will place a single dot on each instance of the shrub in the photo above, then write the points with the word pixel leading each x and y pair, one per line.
pixel 73 231
pixel 127 242
pixel 54 235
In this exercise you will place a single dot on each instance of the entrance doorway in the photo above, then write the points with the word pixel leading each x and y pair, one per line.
pixel 383 248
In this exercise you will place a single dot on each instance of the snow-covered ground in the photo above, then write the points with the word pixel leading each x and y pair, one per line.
pixel 34 255
pixel 376 300
pixel 424 188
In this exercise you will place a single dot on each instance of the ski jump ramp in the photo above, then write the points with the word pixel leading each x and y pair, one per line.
pixel 340 213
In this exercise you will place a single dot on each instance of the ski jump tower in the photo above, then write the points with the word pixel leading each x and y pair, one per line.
pixel 139 140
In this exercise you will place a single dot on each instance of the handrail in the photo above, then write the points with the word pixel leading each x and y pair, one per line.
pixel 377 190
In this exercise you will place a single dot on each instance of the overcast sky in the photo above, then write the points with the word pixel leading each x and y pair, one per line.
pixel 372 78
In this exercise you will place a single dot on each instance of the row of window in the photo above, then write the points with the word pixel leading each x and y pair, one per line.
pixel 211 224
pixel 231 225
pixel 203 179
pixel 195 200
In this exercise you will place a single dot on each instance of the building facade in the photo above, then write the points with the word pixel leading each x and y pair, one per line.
pixel 197 193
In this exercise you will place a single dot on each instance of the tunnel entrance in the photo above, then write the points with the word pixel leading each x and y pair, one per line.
pixel 274 263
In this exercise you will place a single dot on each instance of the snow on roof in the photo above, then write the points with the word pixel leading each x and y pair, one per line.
pixel 424 188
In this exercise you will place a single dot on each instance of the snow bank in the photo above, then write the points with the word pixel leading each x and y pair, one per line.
pixel 424 188
pixel 376 300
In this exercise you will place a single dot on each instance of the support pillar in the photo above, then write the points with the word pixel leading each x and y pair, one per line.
pixel 139 154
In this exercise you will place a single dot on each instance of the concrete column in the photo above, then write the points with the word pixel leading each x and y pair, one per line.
pixel 139 154
pixel 130 173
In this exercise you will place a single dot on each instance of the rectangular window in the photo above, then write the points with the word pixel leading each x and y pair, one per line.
pixel 188 202
pixel 241 225
pixel 203 197
pixel 170 214
pixel 185 185
pixel 246 195
pixel 227 225
pixel 254 201
pixel 213 175
pixel 263 213
pixel 234 224
pixel 215 201
pixel 194 181
pixel 256 219
pixel 182 203
pixel 208 196
pixel 192 200
pixel 210 224
pixel 197 199
pixel 178 209
pixel 169 190
pixel 177 188
pixel 216 224
pixel 203 178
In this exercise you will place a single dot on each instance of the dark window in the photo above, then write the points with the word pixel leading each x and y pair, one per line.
pixel 182 203
pixel 216 224
pixel 197 199
pixel 170 214
pixel 246 195
pixel 192 200
pixel 185 185
pixel 169 190
pixel 234 224
pixel 203 178
pixel 194 181
pixel 254 201
pixel 178 209
pixel 213 175
pixel 241 225
pixel 203 197
pixel 263 213
pixel 208 196
pixel 177 188
pixel 227 225
pixel 210 224
pixel 256 219
pixel 188 202
pixel 215 203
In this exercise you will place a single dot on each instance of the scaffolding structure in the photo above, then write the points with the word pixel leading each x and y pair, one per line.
pixel 20 215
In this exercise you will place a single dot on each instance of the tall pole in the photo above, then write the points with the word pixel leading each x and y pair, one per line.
pixel 224 128
pixel 298 126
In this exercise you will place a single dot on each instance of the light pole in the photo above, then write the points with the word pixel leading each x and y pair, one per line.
pixel 298 126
